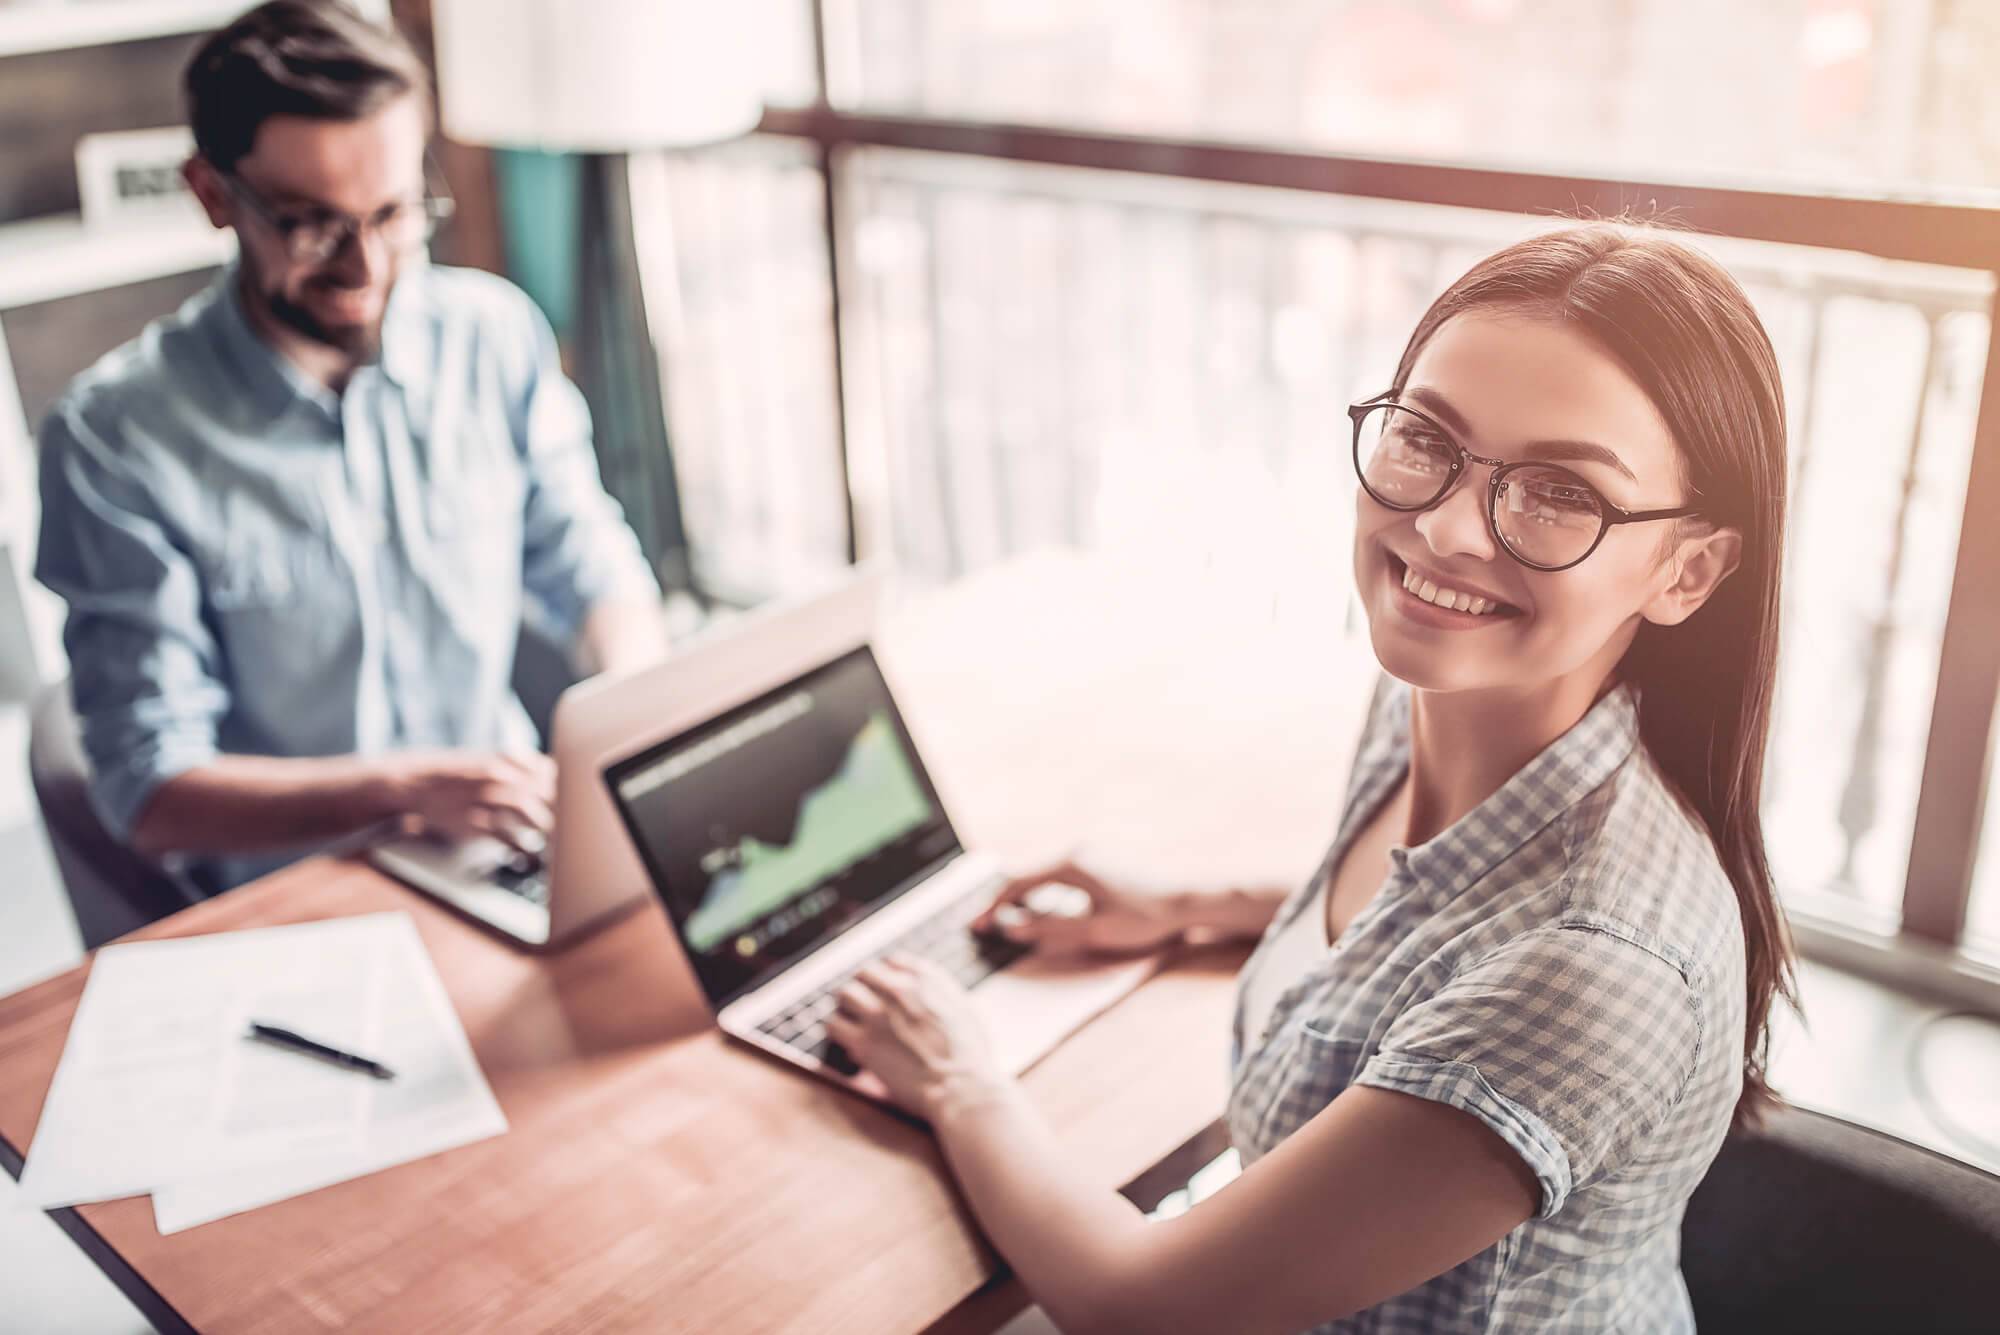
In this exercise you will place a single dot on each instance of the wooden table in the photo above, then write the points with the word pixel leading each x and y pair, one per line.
pixel 674 1182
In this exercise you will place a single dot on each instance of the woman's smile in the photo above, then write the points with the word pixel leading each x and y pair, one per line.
pixel 1421 597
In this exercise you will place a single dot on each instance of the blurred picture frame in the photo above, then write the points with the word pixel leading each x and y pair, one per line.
pixel 128 176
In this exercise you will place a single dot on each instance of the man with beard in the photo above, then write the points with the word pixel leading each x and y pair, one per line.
pixel 298 522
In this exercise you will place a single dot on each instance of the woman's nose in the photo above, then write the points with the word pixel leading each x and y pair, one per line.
pixel 1457 524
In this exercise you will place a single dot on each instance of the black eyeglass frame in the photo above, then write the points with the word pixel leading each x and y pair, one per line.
pixel 1609 515
pixel 436 204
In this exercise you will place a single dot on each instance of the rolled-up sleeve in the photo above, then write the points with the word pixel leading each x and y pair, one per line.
pixel 144 670
pixel 1570 1044
pixel 578 551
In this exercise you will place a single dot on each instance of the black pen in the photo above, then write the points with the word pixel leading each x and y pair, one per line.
pixel 285 1038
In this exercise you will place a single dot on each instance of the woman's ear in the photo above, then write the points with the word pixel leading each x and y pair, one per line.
pixel 1698 567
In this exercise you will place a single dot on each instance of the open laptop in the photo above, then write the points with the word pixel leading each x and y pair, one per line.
pixel 589 875
pixel 584 878
pixel 795 835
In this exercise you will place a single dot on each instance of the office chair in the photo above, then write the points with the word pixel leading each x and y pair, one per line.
pixel 1816 1224
pixel 112 889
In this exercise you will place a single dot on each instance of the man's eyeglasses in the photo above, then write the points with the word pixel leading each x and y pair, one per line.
pixel 315 235
pixel 1541 514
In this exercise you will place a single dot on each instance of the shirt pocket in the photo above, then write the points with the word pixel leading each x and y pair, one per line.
pixel 280 603
pixel 247 575
pixel 263 546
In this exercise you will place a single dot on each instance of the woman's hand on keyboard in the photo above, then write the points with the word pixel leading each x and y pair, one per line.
pixel 1066 908
pixel 910 1026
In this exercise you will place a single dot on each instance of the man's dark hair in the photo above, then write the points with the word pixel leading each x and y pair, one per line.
pixel 315 58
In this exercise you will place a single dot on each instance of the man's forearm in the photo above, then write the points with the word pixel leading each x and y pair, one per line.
pixel 256 804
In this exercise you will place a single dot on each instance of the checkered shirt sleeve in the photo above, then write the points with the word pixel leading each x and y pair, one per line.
pixel 1570 1043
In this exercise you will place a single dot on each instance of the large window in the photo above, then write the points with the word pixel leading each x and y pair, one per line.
pixel 1874 95
pixel 1155 359
pixel 1083 357
pixel 734 258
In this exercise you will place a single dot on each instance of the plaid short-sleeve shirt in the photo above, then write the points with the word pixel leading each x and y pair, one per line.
pixel 1565 963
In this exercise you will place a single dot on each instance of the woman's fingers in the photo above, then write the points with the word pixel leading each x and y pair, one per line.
pixel 1010 897
pixel 1015 893
pixel 890 982
pixel 849 1033
pixel 857 1001
pixel 1048 931
pixel 852 1037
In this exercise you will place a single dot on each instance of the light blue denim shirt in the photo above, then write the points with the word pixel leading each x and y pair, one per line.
pixel 1564 963
pixel 254 564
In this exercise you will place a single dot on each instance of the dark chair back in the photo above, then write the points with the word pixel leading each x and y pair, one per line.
pixel 1816 1224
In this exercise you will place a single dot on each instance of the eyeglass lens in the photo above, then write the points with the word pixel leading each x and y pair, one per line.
pixel 403 227
pixel 1543 513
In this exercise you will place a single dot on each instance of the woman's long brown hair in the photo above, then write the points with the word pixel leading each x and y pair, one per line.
pixel 1687 334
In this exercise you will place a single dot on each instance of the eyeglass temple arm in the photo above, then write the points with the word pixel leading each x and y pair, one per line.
pixel 1618 516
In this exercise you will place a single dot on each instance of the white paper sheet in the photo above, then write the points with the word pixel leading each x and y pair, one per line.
pixel 438 1100
pixel 157 1083
pixel 158 1089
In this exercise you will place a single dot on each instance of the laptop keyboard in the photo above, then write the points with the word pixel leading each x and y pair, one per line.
pixel 942 939
pixel 525 875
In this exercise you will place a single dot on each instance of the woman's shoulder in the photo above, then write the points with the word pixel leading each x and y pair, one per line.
pixel 1639 864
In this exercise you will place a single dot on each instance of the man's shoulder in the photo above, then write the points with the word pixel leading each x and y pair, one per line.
pixel 161 360
pixel 448 315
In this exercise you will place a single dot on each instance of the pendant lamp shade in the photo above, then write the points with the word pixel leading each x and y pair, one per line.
pixel 598 76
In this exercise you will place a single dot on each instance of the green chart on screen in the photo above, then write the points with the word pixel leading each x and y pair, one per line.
pixel 873 799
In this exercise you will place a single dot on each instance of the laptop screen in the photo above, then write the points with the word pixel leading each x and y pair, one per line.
pixel 771 828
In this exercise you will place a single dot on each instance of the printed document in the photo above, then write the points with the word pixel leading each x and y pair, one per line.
pixel 158 1089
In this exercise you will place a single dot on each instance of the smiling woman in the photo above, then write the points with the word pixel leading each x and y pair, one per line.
pixel 1476 1074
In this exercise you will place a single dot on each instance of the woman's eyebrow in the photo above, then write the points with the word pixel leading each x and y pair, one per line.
pixel 1577 451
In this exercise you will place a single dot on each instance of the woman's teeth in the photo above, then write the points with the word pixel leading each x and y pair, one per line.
pixel 1448 598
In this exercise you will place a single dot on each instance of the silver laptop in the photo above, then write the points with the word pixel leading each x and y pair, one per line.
pixel 589 875
pixel 797 835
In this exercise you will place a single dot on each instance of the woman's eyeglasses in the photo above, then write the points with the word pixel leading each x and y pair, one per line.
pixel 315 235
pixel 1541 514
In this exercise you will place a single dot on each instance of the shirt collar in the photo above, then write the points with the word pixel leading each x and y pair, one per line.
pixel 272 379
pixel 1565 772
pixel 266 374
pixel 402 338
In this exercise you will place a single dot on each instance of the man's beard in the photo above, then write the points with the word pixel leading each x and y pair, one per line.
pixel 359 343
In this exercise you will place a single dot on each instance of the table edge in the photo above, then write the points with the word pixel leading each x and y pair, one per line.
pixel 141 1294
